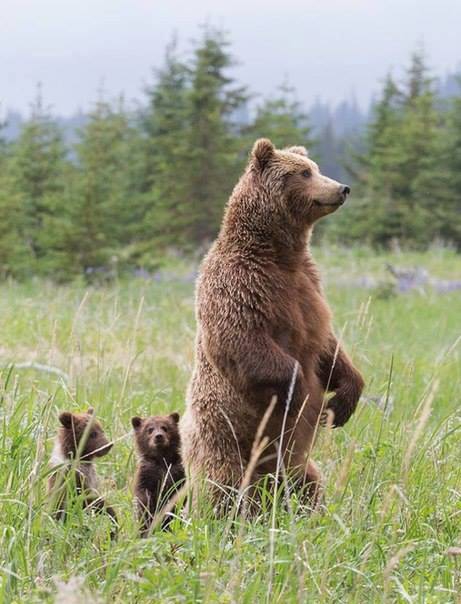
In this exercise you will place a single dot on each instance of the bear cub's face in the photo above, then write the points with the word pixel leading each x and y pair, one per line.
pixel 81 432
pixel 308 193
pixel 157 435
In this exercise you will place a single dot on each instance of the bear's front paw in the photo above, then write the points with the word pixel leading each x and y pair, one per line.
pixel 337 413
pixel 327 418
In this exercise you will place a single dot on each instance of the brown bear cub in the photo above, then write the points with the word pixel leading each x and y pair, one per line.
pixel 160 472
pixel 79 442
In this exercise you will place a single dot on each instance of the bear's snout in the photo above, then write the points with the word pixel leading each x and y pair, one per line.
pixel 344 192
pixel 159 438
pixel 103 449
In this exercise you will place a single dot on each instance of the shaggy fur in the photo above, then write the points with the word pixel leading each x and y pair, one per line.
pixel 260 311
pixel 160 472
pixel 79 442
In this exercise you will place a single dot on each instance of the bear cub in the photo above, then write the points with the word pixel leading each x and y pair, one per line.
pixel 160 472
pixel 79 442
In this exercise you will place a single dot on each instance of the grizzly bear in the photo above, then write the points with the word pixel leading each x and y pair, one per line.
pixel 264 329
pixel 160 472
pixel 79 442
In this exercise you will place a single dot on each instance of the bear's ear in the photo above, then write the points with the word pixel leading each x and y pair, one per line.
pixel 175 417
pixel 299 150
pixel 262 152
pixel 90 411
pixel 136 422
pixel 66 419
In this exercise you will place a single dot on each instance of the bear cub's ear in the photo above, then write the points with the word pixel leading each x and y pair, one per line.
pixel 262 152
pixel 299 150
pixel 66 419
pixel 136 422
pixel 175 417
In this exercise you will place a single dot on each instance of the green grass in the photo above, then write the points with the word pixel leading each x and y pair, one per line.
pixel 393 483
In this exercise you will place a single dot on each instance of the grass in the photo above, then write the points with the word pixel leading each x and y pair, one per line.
pixel 393 495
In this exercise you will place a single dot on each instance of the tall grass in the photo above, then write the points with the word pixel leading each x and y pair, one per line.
pixel 393 484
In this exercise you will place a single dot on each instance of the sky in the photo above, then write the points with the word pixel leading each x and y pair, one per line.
pixel 327 49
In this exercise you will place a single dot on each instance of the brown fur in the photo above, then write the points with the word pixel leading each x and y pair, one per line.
pixel 79 442
pixel 260 309
pixel 160 472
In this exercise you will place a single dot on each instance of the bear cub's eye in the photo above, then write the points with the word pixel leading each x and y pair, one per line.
pixel 150 430
pixel 305 173
pixel 164 429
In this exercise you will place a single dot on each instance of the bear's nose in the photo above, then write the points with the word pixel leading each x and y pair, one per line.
pixel 345 190
pixel 158 437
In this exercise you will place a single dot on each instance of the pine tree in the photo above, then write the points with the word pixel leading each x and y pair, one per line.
pixel 36 173
pixel 381 159
pixel 9 231
pixel 193 143
pixel 419 146
pixel 450 222
pixel 165 126
pixel 418 82
pixel 16 257
pixel 370 217
pixel 438 187
pixel 326 151
pixel 282 120
pixel 214 146
pixel 102 212
pixel 401 144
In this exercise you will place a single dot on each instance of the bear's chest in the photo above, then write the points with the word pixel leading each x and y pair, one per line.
pixel 303 318
pixel 87 477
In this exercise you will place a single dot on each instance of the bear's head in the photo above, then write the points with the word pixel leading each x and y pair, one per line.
pixel 81 434
pixel 157 436
pixel 292 180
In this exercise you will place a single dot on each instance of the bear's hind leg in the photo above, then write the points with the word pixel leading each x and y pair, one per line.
pixel 311 486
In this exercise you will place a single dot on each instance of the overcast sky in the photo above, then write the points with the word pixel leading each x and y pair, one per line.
pixel 326 48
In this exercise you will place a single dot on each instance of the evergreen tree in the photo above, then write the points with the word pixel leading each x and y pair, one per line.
pixel 418 82
pixel 214 146
pixel 16 257
pixel 438 187
pixel 326 151
pixel 11 222
pixel 370 218
pixel 416 149
pixel 165 126
pixel 192 142
pixel 282 120
pixel 36 172
pixel 102 211
pixel 401 144
pixel 450 222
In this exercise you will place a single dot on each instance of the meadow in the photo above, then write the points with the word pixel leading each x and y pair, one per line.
pixel 390 529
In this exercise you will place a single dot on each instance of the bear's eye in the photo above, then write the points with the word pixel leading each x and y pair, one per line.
pixel 305 173
pixel 164 429
pixel 150 430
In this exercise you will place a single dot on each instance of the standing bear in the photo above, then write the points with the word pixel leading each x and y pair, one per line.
pixel 264 329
